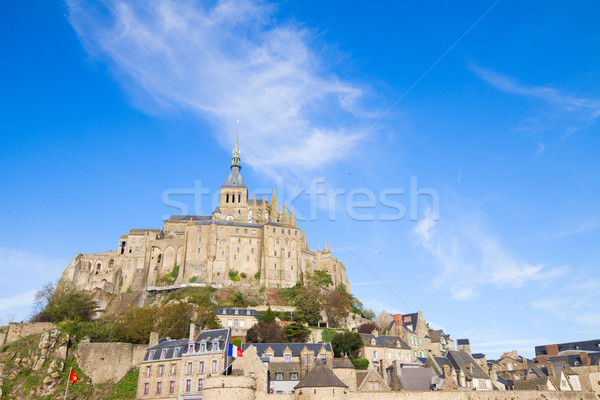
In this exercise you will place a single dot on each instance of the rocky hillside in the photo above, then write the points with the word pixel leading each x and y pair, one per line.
pixel 37 367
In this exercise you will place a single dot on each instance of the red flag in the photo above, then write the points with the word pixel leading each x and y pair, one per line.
pixel 73 376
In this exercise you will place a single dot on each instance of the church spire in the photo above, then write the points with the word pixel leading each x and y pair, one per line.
pixel 235 159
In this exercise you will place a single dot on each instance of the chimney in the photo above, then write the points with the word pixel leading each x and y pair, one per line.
pixel 585 359
pixel 153 339
pixel 552 350
pixel 375 333
pixel 398 319
pixel 550 368
pixel 195 330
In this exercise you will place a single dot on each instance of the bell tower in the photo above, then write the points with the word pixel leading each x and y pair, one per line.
pixel 233 202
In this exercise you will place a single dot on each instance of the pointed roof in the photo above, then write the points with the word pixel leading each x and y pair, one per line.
pixel 320 376
pixel 234 179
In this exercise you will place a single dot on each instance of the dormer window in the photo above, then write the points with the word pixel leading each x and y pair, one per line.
pixel 163 354
pixel 151 356
pixel 215 346
pixel 373 342
pixel 202 347
pixel 191 350
pixel 287 357
pixel 279 376
pixel 270 355
pixel 176 352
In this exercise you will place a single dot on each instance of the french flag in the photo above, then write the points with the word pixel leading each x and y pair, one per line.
pixel 234 351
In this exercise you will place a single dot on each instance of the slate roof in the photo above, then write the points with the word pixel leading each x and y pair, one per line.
pixel 531 384
pixel 585 346
pixel 237 311
pixel 463 342
pixel 478 356
pixel 286 368
pixel 575 359
pixel 212 335
pixel 320 376
pixel 278 348
pixel 234 179
pixel 170 346
pixel 384 341
pixel 360 377
pixel 416 378
pixel 342 363
pixel 194 218
pixel 459 360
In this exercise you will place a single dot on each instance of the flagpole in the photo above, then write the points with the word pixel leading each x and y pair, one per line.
pixel 68 380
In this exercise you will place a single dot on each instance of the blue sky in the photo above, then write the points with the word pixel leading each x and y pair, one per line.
pixel 107 111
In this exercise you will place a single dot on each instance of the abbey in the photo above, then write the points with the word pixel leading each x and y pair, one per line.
pixel 254 238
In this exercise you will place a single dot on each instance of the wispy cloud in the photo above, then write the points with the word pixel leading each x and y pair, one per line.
pixel 573 301
pixel 241 62
pixel 470 257
pixel 20 300
pixel 548 94
pixel 587 225
pixel 569 113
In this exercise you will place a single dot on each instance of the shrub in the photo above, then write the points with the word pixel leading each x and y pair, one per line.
pixel 328 335
pixel 169 278
pixel 243 275
pixel 195 279
pixel 322 278
pixel 236 341
pixel 66 303
pixel 348 343
pixel 233 275
pixel 238 300
pixel 360 363
pixel 297 333
pixel 257 275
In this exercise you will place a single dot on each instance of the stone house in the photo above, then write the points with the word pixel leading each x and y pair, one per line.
pixel 510 361
pixel 413 330
pixel 371 381
pixel 239 320
pixel 321 383
pixel 461 370
pixel 440 342
pixel 382 350
pixel 172 368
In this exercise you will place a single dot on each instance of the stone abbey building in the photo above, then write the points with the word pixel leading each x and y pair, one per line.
pixel 253 237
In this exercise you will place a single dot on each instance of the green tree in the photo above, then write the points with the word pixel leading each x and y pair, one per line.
pixel 269 315
pixel 347 343
pixel 322 278
pixel 297 333
pixel 136 324
pixel 308 308
pixel 236 341
pixel 360 363
pixel 207 319
pixel 66 303
pixel 238 300
pixel 173 320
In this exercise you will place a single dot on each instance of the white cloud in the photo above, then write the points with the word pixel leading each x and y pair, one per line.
pixel 589 224
pixel 576 301
pixel 240 62
pixel 20 300
pixel 470 257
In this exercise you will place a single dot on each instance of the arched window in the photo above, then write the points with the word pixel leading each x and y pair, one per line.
pixel 227 198
pixel 239 198
pixel 99 266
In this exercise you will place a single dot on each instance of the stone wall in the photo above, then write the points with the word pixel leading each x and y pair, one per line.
pixel 473 395
pixel 104 362
pixel 18 331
